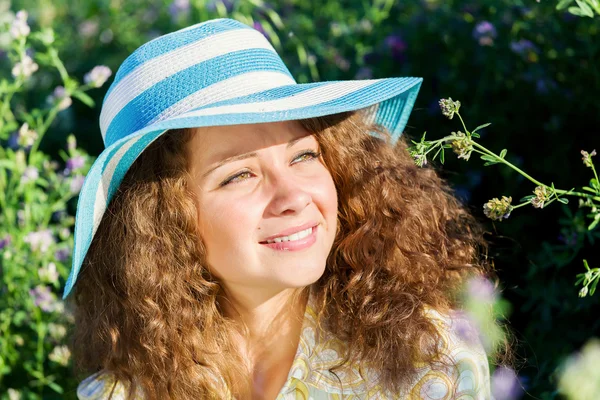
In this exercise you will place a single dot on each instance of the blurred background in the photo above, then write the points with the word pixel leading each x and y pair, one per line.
pixel 530 70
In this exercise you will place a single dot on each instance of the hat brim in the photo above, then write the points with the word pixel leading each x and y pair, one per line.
pixel 394 99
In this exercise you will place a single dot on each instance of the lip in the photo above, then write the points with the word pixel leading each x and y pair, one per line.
pixel 295 245
pixel 291 231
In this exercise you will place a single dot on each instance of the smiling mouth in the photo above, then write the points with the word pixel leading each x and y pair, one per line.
pixel 290 238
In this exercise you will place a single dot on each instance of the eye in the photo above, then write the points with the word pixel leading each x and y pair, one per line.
pixel 236 178
pixel 308 155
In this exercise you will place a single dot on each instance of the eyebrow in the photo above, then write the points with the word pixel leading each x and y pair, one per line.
pixel 246 156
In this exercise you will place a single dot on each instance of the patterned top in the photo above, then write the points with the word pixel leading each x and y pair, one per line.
pixel 309 378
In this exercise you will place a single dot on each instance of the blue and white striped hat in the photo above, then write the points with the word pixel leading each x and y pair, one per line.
pixel 219 72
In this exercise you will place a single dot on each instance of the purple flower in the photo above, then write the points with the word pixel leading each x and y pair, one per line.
pixel 30 174
pixel 88 28
pixel 62 255
pixel 481 290
pixel 396 45
pixel 45 299
pixel 75 163
pixel 523 46
pixel 179 8
pixel 505 384
pixel 40 240
pixel 258 26
pixel 97 76
pixel 485 33
pixel 5 241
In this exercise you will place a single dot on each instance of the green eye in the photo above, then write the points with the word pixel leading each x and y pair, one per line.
pixel 307 156
pixel 236 178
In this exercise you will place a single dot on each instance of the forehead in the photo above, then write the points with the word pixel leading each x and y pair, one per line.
pixel 209 144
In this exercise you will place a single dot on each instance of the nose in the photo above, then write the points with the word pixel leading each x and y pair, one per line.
pixel 289 195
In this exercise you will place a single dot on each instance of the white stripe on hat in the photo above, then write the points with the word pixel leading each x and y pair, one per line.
pixel 104 183
pixel 155 70
pixel 310 97
pixel 239 85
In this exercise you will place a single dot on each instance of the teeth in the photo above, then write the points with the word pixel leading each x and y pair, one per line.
pixel 295 236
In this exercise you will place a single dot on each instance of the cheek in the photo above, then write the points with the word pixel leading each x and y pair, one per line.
pixel 325 196
pixel 224 223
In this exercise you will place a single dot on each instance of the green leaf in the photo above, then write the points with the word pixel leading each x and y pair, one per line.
pixel 490 163
pixel 56 387
pixel 442 156
pixel 84 98
pixel 585 8
pixel 502 153
pixel 579 12
pixel 562 4
pixel 486 157
pixel 480 127
pixel 527 198
pixel 563 200
pixel 475 135
pixel 593 224
pixel 589 189
pixel 594 183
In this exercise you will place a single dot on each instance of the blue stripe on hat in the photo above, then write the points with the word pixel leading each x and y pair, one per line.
pixel 171 42
pixel 161 96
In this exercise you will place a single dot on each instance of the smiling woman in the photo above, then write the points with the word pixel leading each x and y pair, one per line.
pixel 278 244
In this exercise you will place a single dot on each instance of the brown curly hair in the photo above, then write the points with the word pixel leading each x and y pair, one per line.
pixel 147 308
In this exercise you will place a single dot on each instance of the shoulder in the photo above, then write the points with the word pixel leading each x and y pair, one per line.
pixel 465 373
pixel 100 386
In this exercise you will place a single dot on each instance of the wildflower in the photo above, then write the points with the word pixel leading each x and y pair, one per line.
pixel 13 394
pixel 542 196
pixel 587 158
pixel 505 384
pixel 26 137
pixel 57 331
pixel 580 377
pixel 49 165
pixel 97 76
pixel 420 160
pixel 396 45
pixel 45 299
pixel 179 8
pixel 40 240
pixel 48 273
pixel 62 255
pixel 88 28
pixel 524 47
pixel 60 355
pixel 449 107
pixel 485 33
pixel 481 290
pixel 5 241
pixel 75 163
pixel 25 68
pixel 258 26
pixel 19 28
pixel 462 145
pixel 60 95
pixel 30 174
pixel 498 209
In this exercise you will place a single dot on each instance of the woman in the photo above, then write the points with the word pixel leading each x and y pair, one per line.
pixel 243 236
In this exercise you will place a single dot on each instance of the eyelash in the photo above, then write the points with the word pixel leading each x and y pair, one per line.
pixel 313 156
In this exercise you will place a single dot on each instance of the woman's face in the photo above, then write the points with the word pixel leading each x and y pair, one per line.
pixel 268 205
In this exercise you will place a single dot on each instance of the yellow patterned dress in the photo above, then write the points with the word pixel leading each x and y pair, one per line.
pixel 309 378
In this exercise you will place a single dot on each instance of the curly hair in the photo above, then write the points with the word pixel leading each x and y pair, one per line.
pixel 147 308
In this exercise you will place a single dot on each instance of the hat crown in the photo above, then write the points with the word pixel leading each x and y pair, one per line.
pixel 188 69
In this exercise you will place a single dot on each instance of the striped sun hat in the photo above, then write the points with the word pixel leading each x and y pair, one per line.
pixel 219 72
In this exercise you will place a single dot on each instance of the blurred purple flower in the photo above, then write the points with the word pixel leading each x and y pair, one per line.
pixel 179 8
pixel 543 86
pixel 396 45
pixel 485 33
pixel 76 184
pixel 88 28
pixel 5 241
pixel 364 73
pixel 30 174
pixel 62 255
pixel 341 62
pixel 505 384
pixel 211 5
pixel 523 46
pixel 58 216
pixel 258 26
pixel 465 327
pixel 481 289
pixel 40 240
pixel 45 299
pixel 569 240
pixel 75 163
pixel 97 76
